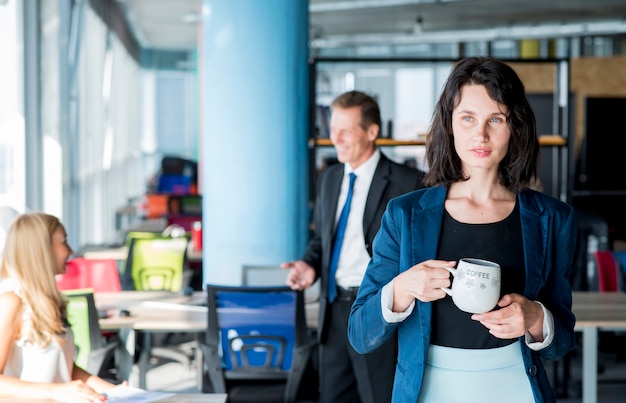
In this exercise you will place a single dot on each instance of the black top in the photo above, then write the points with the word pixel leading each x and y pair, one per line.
pixel 499 242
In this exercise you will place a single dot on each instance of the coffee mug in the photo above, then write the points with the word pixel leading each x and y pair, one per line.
pixel 476 285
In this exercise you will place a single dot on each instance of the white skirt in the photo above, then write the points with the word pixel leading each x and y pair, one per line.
pixel 476 375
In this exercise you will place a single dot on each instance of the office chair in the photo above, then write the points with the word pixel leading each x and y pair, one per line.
pixel 608 271
pixel 620 256
pixel 140 234
pixel 96 274
pixel 263 275
pixel 158 263
pixel 126 278
pixel 93 353
pixel 610 343
pixel 274 275
pixel 257 347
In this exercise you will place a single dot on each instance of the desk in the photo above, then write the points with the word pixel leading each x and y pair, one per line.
pixel 196 398
pixel 123 299
pixel 150 312
pixel 159 311
pixel 596 311
pixel 178 398
pixel 121 253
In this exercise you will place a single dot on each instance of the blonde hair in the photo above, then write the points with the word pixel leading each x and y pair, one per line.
pixel 28 258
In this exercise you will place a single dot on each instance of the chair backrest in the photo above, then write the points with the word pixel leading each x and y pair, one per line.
pixel 93 353
pixel 608 271
pixel 158 263
pixel 184 221
pixel 185 205
pixel 620 257
pixel 97 274
pixel 141 234
pixel 127 281
pixel 83 317
pixel 259 275
pixel 256 333
pixel 274 275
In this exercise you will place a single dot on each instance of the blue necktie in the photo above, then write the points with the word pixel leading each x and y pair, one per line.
pixel 339 233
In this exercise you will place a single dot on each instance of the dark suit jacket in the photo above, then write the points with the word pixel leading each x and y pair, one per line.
pixel 410 234
pixel 390 180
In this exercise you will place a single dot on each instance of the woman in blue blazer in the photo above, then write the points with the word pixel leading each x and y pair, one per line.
pixel 482 151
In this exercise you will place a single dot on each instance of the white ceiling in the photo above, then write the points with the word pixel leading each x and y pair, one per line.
pixel 161 24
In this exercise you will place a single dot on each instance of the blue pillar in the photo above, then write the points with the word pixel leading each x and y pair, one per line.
pixel 254 128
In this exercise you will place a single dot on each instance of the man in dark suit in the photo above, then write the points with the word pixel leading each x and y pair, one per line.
pixel 345 375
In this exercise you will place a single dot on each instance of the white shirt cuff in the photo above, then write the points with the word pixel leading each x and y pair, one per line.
pixel 386 297
pixel 386 304
pixel 548 331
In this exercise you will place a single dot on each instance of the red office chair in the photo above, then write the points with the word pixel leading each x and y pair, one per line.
pixel 608 271
pixel 97 274
pixel 610 342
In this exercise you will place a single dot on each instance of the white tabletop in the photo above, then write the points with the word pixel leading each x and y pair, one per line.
pixel 603 310
pixel 120 253
pixel 196 398
pixel 596 311
pixel 177 398
pixel 151 311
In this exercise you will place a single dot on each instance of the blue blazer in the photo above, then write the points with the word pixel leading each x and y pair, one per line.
pixel 409 234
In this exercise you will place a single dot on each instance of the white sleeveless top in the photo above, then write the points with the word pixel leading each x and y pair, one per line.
pixel 33 363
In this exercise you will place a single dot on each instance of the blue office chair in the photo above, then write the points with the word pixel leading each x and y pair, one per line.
pixel 257 346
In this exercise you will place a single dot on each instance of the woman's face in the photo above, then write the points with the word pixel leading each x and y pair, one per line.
pixel 481 132
pixel 60 249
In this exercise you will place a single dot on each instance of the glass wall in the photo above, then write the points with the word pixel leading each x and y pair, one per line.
pixel 12 141
pixel 107 120
pixel 12 136
pixel 405 90
pixel 102 117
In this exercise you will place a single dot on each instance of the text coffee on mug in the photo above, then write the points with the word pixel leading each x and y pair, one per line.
pixel 476 285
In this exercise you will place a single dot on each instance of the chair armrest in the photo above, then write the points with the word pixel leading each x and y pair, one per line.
pixel 213 366
pixel 99 356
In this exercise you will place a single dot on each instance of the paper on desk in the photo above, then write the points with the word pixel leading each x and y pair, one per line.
pixel 125 393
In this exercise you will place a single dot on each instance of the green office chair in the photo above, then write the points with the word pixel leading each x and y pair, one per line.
pixel 158 264
pixel 140 234
pixel 93 353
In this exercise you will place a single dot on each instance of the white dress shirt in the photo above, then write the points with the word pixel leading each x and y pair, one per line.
pixel 354 258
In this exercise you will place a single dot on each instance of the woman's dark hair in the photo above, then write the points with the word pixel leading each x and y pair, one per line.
pixel 370 112
pixel 518 169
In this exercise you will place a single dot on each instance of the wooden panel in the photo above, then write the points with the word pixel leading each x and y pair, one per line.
pixel 598 77
pixel 544 140
pixel 537 77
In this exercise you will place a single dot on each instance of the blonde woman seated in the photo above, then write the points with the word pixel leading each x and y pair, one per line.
pixel 36 342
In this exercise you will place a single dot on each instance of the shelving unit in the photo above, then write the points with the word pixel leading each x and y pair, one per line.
pixel 549 96
pixel 555 140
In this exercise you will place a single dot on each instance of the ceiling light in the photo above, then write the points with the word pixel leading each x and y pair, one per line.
pixel 191 18
pixel 419 25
